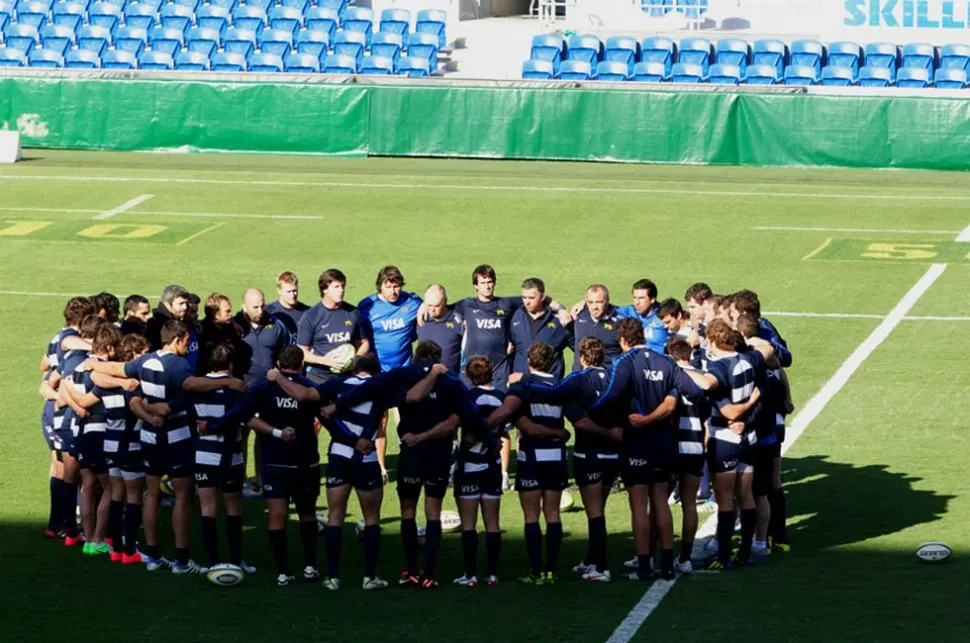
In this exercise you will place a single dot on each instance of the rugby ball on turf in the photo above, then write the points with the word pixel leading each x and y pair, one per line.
pixel 225 575
pixel 165 484
pixel 450 521
pixel 344 356
pixel 322 520
pixel 566 501
pixel 359 528
pixel 934 552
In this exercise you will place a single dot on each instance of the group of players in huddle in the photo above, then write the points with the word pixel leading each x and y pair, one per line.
pixel 659 397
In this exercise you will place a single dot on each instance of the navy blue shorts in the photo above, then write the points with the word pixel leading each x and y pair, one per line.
pixel 426 466
pixel 363 476
pixel 691 464
pixel 226 479
pixel 300 485
pixel 47 431
pixel 727 457
pixel 472 482
pixel 64 440
pixel 89 451
pixel 173 460
pixel 535 473
pixel 594 468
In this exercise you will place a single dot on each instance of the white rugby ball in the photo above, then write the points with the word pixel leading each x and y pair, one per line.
pixel 566 501
pixel 450 521
pixel 225 575
pixel 359 528
pixel 322 520
pixel 934 552
pixel 343 355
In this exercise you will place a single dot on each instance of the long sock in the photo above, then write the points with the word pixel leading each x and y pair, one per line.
pixel 432 543
pixel 493 549
pixel 597 542
pixel 334 538
pixel 644 566
pixel 132 522
pixel 308 536
pixel 777 528
pixel 182 555
pixel 409 538
pixel 234 525
pixel 277 542
pixel 725 529
pixel 533 544
pixel 686 550
pixel 372 547
pixel 210 539
pixel 553 545
pixel 54 518
pixel 469 549
pixel 749 521
pixel 115 518
pixel 667 561
pixel 69 508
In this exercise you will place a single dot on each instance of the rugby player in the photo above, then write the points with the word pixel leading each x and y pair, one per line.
pixel 108 307
pixel 288 309
pixel 644 308
pixel 596 317
pixel 128 465
pixel 536 322
pixel 675 320
pixel 137 313
pixel 442 325
pixel 172 305
pixel 329 325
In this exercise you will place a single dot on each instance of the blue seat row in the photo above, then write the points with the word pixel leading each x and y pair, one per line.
pixel 689 8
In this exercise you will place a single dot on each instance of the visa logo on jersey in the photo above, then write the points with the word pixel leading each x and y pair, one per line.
pixel 919 14
pixel 286 403
pixel 393 324
pixel 337 338
pixel 489 324
pixel 653 376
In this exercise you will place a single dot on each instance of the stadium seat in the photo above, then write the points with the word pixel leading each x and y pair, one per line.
pixel 286 18
pixel 249 18
pixel 299 5
pixel 396 21
pixel 950 78
pixel 350 43
pixel 724 74
pixel 612 71
pixel 695 51
pixel 586 48
pixel 106 14
pixel 301 64
pixel 770 52
pixel 658 8
pixel 6 17
pixel 22 37
pixel 96 39
pixel 228 5
pixel 166 41
pixel 649 73
pixel 808 53
pixel 228 62
pixel 433 21
pixel 12 57
pixel 387 45
pixel 313 43
pixel 575 70
pixel 276 42
pixel 955 57
pixel 414 66
pixel 176 16
pixel 761 75
pixel 845 54
pixel 870 76
pixel 118 60
pixel 337 64
pixel 359 19
pixel 140 15
pixel 239 41
pixel 322 19
pixel 45 58
pixel 258 4
pixel 81 59
pixel 688 73
pixel 203 41
pixel 658 50
pixel 131 39
pixel 800 75
pixel 377 65
pixel 32 14
pixel 424 45
pixel 154 4
pixel 732 52
pixel 211 16
pixel 919 55
pixel 883 54
pixel 265 63
pixel 336 5
pixel 69 14
pixel 913 77
pixel 57 38
pixel 833 76
pixel 191 61
pixel 544 47
pixel 155 61
pixel 534 69
pixel 191 4
pixel 622 49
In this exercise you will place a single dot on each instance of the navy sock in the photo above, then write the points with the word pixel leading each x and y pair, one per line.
pixel 334 539
pixel 779 516
pixel 553 545
pixel 533 544
pixel 308 536
pixel 469 548
pixel 69 508
pixel 644 566
pixel 432 543
pixel 277 543
pixel 597 543
pixel 234 525
pixel 493 549
pixel 154 551
pixel 182 555
pixel 667 561
pixel 409 538
pixel 115 517
pixel 132 522
pixel 372 547
pixel 725 529
pixel 210 539
pixel 749 521
pixel 53 519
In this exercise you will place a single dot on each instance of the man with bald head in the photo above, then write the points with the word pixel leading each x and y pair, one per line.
pixel 443 326
pixel 597 317
pixel 263 337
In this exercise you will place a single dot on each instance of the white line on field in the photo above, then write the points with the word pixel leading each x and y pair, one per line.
pixel 651 599
pixel 490 188
pixel 775 313
pixel 69 210
pixel 964 236
pixel 124 207
pixel 156 213
pixel 879 230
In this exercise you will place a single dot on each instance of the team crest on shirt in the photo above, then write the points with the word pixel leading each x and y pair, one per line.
pixel 608 326
pixel 347 322
pixel 499 312
pixel 551 325
pixel 449 325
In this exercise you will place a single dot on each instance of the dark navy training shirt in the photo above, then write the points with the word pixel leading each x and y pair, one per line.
pixel 289 317
pixel 547 329
pixel 259 347
pixel 487 332
pixel 324 329
pixel 603 329
pixel 447 333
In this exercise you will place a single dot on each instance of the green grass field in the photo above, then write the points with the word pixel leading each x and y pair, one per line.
pixel 879 471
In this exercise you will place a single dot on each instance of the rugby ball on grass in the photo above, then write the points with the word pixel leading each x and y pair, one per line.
pixel 450 521
pixel 322 520
pixel 359 528
pixel 225 575
pixel 343 356
pixel 934 552
pixel 566 501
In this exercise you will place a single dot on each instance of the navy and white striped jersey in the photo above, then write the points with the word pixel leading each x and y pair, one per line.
pixel 475 456
pixel 222 448
pixel 737 376
pixel 576 394
pixel 162 375
pixel 60 355
pixel 691 416
pixel 107 416
pixel 53 350
pixel 548 415
pixel 353 423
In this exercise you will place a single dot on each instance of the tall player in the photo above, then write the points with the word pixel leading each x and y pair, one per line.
pixel 329 325
pixel 288 309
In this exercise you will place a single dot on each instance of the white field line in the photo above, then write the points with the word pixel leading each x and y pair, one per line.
pixel 157 213
pixel 878 230
pixel 488 188
pixel 652 598
pixel 964 237
pixel 124 207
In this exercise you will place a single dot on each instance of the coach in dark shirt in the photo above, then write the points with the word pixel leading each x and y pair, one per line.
pixel 443 326
pixel 262 337
pixel 598 318
pixel 536 322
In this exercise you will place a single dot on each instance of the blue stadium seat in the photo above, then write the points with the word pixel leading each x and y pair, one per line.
pixel 228 62
pixel 770 52
pixel 140 15
pixel 96 39
pixel 833 76
pixel 725 74
pixel 688 72
pixel 191 61
pixel 69 14
pixel 396 21
pixel 658 50
pixel 424 45
pixel 650 73
pixel 45 58
pixel 845 54
pixel 732 52
pixel 414 66
pixel 919 55
pixel 359 19
pixel 692 9
pixel 337 64
pixel 322 19
pixel 313 43
pixel 57 38
pixel 544 47
pixel 286 18
pixel 154 4
pixel 612 71
pixel 883 54
pixel 387 45
pixel 955 57
pixel 6 17
pixel 761 75
pixel 265 63
pixel 622 49
pixel 228 5
pixel 118 60
pixel 950 78
pixel 299 5
pixel 131 39
pixel 433 21
pixel 258 4
pixel 191 4
pixel 350 43
pixel 377 65
pixel 808 53
pixel 211 16
pixel 657 8
pixel 695 51
pixel 336 5
pixel 586 48
pixel 800 75
pixel 870 76
pixel 176 16
pixel 534 69
pixel 166 41
pixel 22 37
pixel 575 70
pixel 250 18
pixel 301 64
pixel 239 41
pixel 276 42
pixel 155 61
pixel 203 41
pixel 913 77
pixel 32 14
pixel 106 14
pixel 12 57
pixel 81 59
